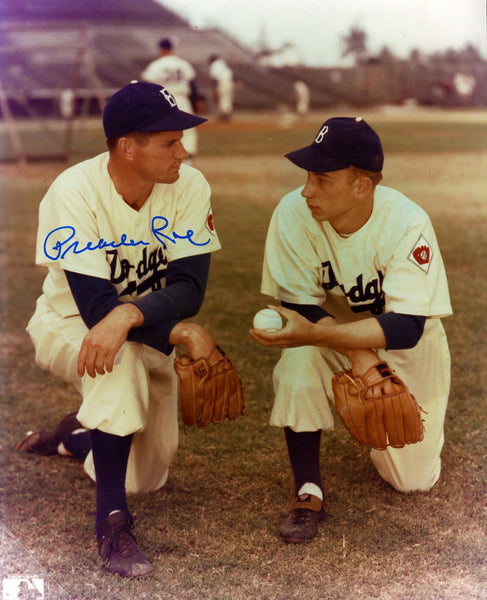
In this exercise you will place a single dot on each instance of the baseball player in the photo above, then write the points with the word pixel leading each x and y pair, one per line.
pixel 222 77
pixel 178 76
pixel 126 237
pixel 302 95
pixel 359 274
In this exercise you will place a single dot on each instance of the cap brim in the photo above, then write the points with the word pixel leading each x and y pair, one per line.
pixel 177 121
pixel 313 160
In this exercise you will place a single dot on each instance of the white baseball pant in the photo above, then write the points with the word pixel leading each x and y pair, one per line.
pixel 139 396
pixel 303 395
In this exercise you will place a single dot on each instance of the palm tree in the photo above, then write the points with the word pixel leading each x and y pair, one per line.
pixel 356 44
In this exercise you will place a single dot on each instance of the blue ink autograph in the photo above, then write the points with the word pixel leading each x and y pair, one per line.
pixel 61 240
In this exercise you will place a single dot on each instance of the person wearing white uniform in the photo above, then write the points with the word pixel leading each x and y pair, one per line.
pixel 222 76
pixel 179 77
pixel 359 274
pixel 302 94
pixel 126 237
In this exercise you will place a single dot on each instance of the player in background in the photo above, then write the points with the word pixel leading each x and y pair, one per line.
pixel 179 77
pixel 222 76
pixel 302 95
pixel 126 237
pixel 357 269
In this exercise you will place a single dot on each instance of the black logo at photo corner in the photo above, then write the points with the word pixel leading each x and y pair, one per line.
pixel 362 297
pixel 150 271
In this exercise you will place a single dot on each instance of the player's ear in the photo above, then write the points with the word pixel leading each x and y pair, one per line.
pixel 364 185
pixel 126 147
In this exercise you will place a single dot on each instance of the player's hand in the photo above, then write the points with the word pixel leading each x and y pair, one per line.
pixel 196 339
pixel 297 331
pixel 361 360
pixel 103 341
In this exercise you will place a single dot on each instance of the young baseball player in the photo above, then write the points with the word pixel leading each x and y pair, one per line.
pixel 179 77
pixel 126 237
pixel 359 274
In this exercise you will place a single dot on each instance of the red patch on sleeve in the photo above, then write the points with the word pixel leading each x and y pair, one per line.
pixel 209 223
pixel 422 254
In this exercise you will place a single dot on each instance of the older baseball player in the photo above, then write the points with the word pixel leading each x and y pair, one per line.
pixel 359 274
pixel 179 77
pixel 126 237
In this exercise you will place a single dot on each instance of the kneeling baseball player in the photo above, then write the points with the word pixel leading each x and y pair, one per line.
pixel 126 237
pixel 362 286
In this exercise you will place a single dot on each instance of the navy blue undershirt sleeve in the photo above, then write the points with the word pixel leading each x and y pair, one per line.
pixel 95 297
pixel 310 311
pixel 401 331
pixel 156 337
pixel 182 297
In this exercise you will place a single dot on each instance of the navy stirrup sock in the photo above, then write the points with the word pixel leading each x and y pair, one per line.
pixel 78 444
pixel 304 455
pixel 110 456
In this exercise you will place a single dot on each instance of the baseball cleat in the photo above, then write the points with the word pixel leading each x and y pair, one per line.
pixel 301 525
pixel 47 442
pixel 118 548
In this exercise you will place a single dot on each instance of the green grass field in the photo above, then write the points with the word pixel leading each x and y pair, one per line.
pixel 212 530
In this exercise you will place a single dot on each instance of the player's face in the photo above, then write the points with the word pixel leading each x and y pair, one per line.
pixel 332 197
pixel 159 160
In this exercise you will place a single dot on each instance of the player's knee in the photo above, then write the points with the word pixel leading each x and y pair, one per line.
pixel 406 486
pixel 408 477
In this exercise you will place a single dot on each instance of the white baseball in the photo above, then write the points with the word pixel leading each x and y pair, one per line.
pixel 268 320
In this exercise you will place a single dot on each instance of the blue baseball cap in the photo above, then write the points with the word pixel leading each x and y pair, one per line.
pixel 144 106
pixel 340 143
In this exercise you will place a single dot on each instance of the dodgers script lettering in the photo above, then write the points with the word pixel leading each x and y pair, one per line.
pixel 362 296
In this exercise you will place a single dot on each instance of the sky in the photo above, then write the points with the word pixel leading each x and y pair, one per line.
pixel 316 27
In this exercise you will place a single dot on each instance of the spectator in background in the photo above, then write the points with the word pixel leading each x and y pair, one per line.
pixel 222 77
pixel 178 76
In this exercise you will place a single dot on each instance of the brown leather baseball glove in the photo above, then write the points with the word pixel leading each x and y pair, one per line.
pixel 371 415
pixel 211 389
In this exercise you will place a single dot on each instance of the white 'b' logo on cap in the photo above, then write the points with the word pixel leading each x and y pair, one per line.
pixel 168 96
pixel 321 134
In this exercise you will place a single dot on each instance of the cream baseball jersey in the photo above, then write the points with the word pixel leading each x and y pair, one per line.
pixel 172 72
pixel 85 226
pixel 392 263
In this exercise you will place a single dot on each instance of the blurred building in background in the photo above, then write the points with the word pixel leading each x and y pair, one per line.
pixel 64 58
